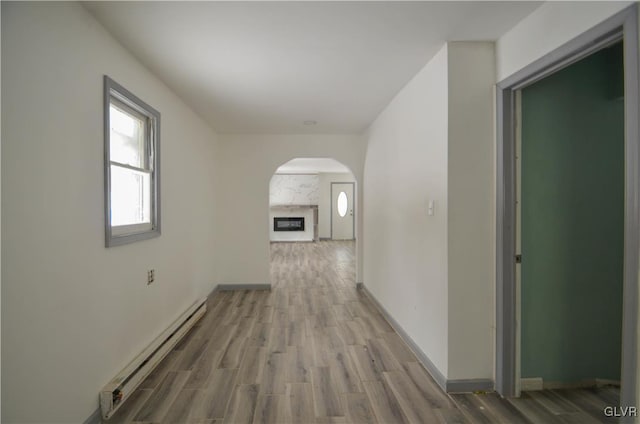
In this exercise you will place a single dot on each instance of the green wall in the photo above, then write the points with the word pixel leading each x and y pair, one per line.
pixel 572 221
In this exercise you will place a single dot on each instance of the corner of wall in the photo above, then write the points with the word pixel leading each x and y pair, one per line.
pixel 470 209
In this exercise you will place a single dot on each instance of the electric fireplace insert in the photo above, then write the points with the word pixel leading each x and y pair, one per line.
pixel 288 224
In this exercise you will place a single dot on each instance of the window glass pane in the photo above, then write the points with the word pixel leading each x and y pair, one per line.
pixel 130 196
pixel 127 138
pixel 342 203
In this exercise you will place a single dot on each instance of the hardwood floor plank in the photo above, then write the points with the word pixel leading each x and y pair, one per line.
pixel 553 403
pixel 368 330
pixel 219 334
pixel 358 408
pixel 331 420
pixel 365 365
pixel 281 317
pixel 344 372
pixel 352 333
pixel 383 359
pixel 326 398
pixel 203 369
pixel 191 354
pixel 588 402
pixel 274 374
pixel 235 349
pixel 531 409
pixel 260 334
pixel 340 311
pixel 334 337
pixel 385 405
pixel 299 363
pixel 181 409
pixel 272 409
pixel 265 314
pixel 157 405
pixel 278 340
pixel 242 405
pixel 431 393
pixel 450 416
pixel 252 365
pixel 301 402
pixel 398 347
pixel 409 397
pixel 296 333
pixel 500 409
pixel 217 393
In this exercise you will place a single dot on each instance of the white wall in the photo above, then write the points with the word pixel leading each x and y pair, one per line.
pixel 471 199
pixel 324 204
pixel 296 189
pixel 405 251
pixel 434 274
pixel 547 28
pixel 74 312
pixel 247 163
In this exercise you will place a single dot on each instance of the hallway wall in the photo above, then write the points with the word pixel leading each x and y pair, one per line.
pixel 434 273
pixel 74 313
pixel 405 252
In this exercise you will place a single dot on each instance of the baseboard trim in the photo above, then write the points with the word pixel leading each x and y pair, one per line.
pixel 291 241
pixel 243 286
pixel 95 418
pixel 470 385
pixel 422 357
pixel 531 384
pixel 449 386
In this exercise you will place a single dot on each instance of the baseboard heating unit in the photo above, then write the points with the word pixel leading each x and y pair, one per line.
pixel 116 392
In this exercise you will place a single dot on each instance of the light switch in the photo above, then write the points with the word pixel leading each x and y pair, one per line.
pixel 431 208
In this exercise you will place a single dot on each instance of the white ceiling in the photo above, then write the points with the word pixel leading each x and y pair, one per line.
pixel 266 67
pixel 312 166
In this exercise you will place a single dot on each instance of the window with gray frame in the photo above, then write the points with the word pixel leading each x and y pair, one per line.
pixel 132 172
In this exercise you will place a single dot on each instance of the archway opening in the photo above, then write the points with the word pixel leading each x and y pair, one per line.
pixel 312 223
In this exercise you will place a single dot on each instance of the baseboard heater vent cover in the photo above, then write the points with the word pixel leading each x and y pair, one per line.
pixel 116 392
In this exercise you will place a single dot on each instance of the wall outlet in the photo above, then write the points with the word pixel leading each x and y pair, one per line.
pixel 151 276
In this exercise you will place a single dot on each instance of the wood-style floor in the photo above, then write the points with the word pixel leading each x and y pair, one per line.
pixel 315 350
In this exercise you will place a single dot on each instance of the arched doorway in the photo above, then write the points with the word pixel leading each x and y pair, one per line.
pixel 312 215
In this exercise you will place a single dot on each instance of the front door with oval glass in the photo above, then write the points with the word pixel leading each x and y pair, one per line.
pixel 342 211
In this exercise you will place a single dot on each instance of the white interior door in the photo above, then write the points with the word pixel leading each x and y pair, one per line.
pixel 342 207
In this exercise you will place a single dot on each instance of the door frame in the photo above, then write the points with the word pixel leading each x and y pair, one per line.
pixel 622 26
pixel 353 200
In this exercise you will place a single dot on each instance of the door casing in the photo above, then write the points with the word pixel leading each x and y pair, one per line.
pixel 622 26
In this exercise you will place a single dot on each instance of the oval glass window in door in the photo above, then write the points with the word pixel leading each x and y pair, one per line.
pixel 342 204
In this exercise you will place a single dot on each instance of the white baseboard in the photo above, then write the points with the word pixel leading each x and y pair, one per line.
pixel 531 384
pixel 243 286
